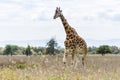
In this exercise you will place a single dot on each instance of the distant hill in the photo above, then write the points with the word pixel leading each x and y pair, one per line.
pixel 90 42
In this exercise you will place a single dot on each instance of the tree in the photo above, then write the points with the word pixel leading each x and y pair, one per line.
pixel 115 49
pixel 51 45
pixel 39 50
pixel 92 50
pixel 10 49
pixel 28 51
pixel 103 49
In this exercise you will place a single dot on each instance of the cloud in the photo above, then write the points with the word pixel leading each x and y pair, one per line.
pixel 116 17
pixel 33 19
pixel 113 17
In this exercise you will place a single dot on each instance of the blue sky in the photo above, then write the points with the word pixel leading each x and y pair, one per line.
pixel 33 19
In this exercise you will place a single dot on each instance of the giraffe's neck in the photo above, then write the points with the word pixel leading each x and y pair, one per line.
pixel 65 23
pixel 68 29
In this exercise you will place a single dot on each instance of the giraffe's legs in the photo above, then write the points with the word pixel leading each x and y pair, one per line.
pixel 73 56
pixel 84 55
pixel 74 61
pixel 65 55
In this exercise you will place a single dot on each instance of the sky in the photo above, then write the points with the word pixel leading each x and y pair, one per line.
pixel 33 19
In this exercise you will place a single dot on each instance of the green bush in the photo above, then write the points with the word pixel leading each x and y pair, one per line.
pixel 21 66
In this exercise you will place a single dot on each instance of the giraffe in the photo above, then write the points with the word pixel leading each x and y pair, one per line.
pixel 74 44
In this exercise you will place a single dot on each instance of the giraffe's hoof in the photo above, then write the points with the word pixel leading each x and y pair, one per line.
pixel 64 62
pixel 72 63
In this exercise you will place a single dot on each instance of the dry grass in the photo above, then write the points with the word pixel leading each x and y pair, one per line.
pixel 51 68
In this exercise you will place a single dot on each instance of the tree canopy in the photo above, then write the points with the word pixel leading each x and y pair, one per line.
pixel 51 45
pixel 10 49
pixel 103 49
pixel 28 51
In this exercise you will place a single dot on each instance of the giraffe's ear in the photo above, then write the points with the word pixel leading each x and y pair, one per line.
pixel 60 10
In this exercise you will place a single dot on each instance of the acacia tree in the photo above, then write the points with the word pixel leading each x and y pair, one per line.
pixel 28 51
pixel 51 45
pixel 7 50
pixel 103 49
pixel 10 49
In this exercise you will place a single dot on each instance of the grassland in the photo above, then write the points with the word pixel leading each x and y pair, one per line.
pixel 47 67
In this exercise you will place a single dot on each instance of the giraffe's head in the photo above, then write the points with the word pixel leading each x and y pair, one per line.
pixel 58 13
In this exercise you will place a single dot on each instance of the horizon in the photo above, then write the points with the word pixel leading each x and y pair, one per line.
pixel 33 19
pixel 42 43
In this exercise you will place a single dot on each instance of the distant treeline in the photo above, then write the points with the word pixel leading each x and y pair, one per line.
pixel 104 49
pixel 52 48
